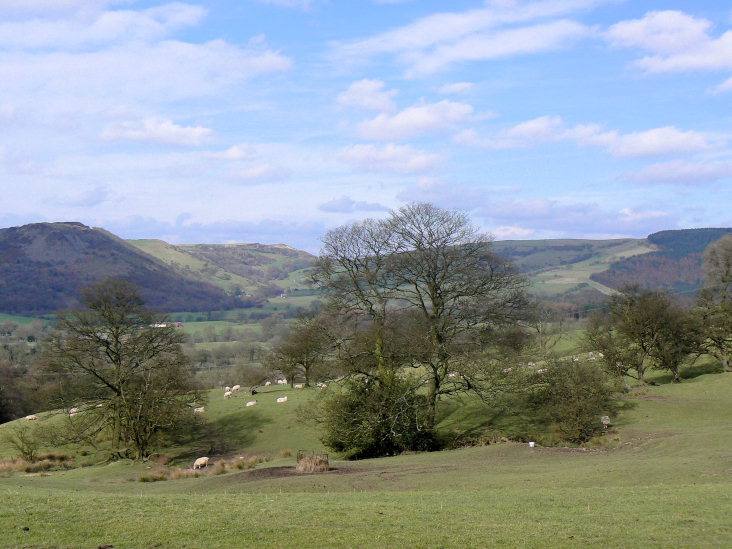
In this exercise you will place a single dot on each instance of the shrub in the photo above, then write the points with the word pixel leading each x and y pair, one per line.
pixel 370 419
pixel 574 395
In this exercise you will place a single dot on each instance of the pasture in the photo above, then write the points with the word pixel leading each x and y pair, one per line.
pixel 661 478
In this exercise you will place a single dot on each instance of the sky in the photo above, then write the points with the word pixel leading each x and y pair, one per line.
pixel 274 121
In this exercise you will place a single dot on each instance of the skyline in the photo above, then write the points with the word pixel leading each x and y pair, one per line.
pixel 273 121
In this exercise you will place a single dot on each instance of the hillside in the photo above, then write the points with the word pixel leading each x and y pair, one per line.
pixel 43 266
pixel 255 270
pixel 675 264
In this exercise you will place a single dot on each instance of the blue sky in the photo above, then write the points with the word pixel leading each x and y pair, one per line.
pixel 275 120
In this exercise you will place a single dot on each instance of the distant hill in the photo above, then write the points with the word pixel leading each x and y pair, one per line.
pixel 675 264
pixel 43 266
pixel 254 270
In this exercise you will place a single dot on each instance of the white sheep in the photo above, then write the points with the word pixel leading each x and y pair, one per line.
pixel 228 394
pixel 252 403
pixel 282 399
pixel 322 385
pixel 542 371
pixel 31 417
pixel 199 410
pixel 227 389
pixel 268 383
pixel 235 388
pixel 299 386
pixel 200 463
pixel 507 370
pixel 73 412
pixel 281 382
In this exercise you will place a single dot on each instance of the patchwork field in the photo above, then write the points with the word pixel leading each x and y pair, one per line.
pixel 662 478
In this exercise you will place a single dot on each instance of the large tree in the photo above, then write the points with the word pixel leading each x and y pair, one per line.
pixel 124 368
pixel 428 276
pixel 715 300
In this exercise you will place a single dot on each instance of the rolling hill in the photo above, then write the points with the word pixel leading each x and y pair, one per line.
pixel 43 266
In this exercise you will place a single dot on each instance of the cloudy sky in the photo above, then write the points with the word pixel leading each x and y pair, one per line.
pixel 275 120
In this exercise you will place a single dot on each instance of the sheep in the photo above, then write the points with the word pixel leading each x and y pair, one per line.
pixel 299 386
pixel 252 403
pixel 31 417
pixel 73 412
pixel 267 383
pixel 507 370
pixel 282 399
pixel 228 394
pixel 199 410
pixel 601 355
pixel 531 363
pixel 606 421
pixel 227 389
pixel 542 371
pixel 200 463
pixel 322 385
pixel 281 382
pixel 235 388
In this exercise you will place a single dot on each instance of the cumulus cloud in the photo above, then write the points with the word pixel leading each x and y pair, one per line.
pixel 368 94
pixel 449 194
pixel 104 27
pixel 684 172
pixel 259 173
pixel 299 4
pixel 587 220
pixel 156 130
pixel 499 30
pixel 662 141
pixel 675 40
pixel 388 158
pixel 345 204
pixel 235 152
pixel 415 121
pixel 456 88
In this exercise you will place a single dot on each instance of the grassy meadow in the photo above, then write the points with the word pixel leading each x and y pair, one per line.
pixel 661 478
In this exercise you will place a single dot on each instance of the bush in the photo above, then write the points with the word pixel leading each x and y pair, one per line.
pixel 371 419
pixel 575 396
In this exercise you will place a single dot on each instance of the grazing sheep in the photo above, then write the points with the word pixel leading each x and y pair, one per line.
pixel 200 463
pixel 252 403
pixel 267 384
pixel 531 363
pixel 601 355
pixel 235 388
pixel 227 389
pixel 322 385
pixel 199 410
pixel 507 370
pixel 299 386
pixel 31 417
pixel 228 394
pixel 606 421
pixel 281 382
pixel 542 371
pixel 282 399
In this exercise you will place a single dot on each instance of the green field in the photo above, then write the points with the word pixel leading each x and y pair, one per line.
pixel 663 479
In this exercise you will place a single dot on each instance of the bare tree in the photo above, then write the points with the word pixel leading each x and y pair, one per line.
pixel 124 367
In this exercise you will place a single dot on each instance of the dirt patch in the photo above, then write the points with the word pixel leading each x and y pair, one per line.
pixel 286 471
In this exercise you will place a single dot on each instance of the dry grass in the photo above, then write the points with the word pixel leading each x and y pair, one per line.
pixel 42 462
pixel 219 468
pixel 313 464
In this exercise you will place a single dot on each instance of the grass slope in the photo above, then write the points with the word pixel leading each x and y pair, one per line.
pixel 667 483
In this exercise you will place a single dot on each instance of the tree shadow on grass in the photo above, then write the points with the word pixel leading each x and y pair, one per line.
pixel 226 434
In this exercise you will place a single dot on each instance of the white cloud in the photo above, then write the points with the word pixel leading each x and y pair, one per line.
pixel 438 40
pixel 498 45
pixel 235 152
pixel 456 88
pixel 156 130
pixel 260 172
pixel 676 41
pixel 724 86
pixel 299 4
pixel 684 172
pixel 512 232
pixel 345 204
pixel 388 158
pixel 106 27
pixel 419 120
pixel 666 140
pixel 368 94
